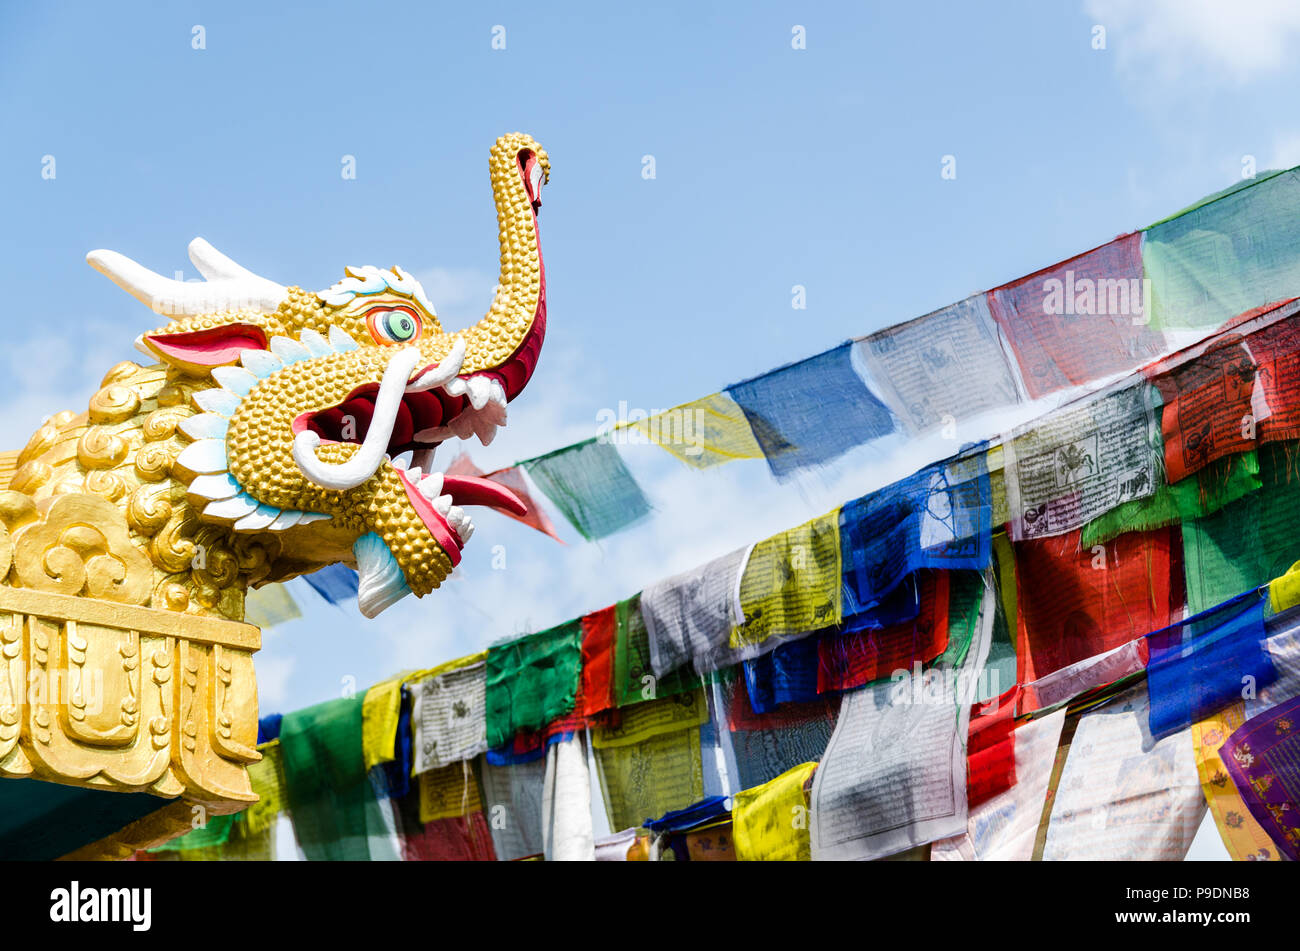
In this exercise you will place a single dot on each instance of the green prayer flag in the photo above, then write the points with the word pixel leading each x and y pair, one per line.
pixel 242 846
pixel 634 679
pixel 532 681
pixel 1202 493
pixel 214 832
pixel 590 484
pixel 1232 252
pixel 327 792
pixel 1249 542
pixel 965 593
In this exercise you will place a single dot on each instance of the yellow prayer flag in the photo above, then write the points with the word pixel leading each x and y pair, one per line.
pixel 770 822
pixel 242 846
pixel 382 707
pixel 993 461
pixel 643 721
pixel 449 792
pixel 791 583
pixel 1243 837
pixel 380 711
pixel 644 780
pixel 1284 592
pixel 267 779
pixel 270 605
pixel 704 433
pixel 998 492
pixel 1006 562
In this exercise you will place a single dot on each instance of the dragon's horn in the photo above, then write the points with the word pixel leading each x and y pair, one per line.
pixel 214 265
pixel 228 286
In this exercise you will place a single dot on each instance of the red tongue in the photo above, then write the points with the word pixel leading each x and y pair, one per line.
pixel 471 490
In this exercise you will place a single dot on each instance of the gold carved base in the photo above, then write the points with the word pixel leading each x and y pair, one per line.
pixel 118 696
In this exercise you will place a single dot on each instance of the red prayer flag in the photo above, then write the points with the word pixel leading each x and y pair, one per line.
pixel 991 748
pixel 599 631
pixel 1209 405
pixel 743 717
pixel 526 742
pixel 1276 350
pixel 851 660
pixel 1080 320
pixel 1073 603
pixel 455 839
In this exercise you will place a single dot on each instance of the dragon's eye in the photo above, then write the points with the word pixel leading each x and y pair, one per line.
pixel 393 326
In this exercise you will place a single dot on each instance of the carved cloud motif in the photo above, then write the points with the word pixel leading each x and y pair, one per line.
pixel 83 547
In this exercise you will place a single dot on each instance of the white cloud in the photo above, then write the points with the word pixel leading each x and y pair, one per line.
pixel 1199 39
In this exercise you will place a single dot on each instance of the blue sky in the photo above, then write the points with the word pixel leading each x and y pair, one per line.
pixel 774 167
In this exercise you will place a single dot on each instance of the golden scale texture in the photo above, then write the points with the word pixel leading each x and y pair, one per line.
pixel 259 447
pixel 497 336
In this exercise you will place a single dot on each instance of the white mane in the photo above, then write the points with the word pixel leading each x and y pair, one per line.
pixel 362 281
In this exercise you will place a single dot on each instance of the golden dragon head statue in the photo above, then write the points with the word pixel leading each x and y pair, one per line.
pixel 293 405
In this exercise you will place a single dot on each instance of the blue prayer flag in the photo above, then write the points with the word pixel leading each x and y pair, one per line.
pixel 940 517
pixel 1202 664
pixel 335 583
pixel 795 429
pixel 787 674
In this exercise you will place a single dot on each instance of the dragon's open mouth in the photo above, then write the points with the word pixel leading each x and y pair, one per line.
pixel 418 413
pixel 423 420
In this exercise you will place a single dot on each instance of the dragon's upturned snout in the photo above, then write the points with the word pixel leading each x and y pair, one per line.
pixel 302 401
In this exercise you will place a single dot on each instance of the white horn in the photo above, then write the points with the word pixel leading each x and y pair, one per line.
pixel 364 462
pixel 214 265
pixel 229 286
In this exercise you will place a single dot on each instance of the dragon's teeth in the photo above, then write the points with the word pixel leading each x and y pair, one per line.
pixel 466 530
pixel 413 474
pixel 443 504
pixel 261 363
pixel 431 485
pixel 496 394
pixel 480 388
